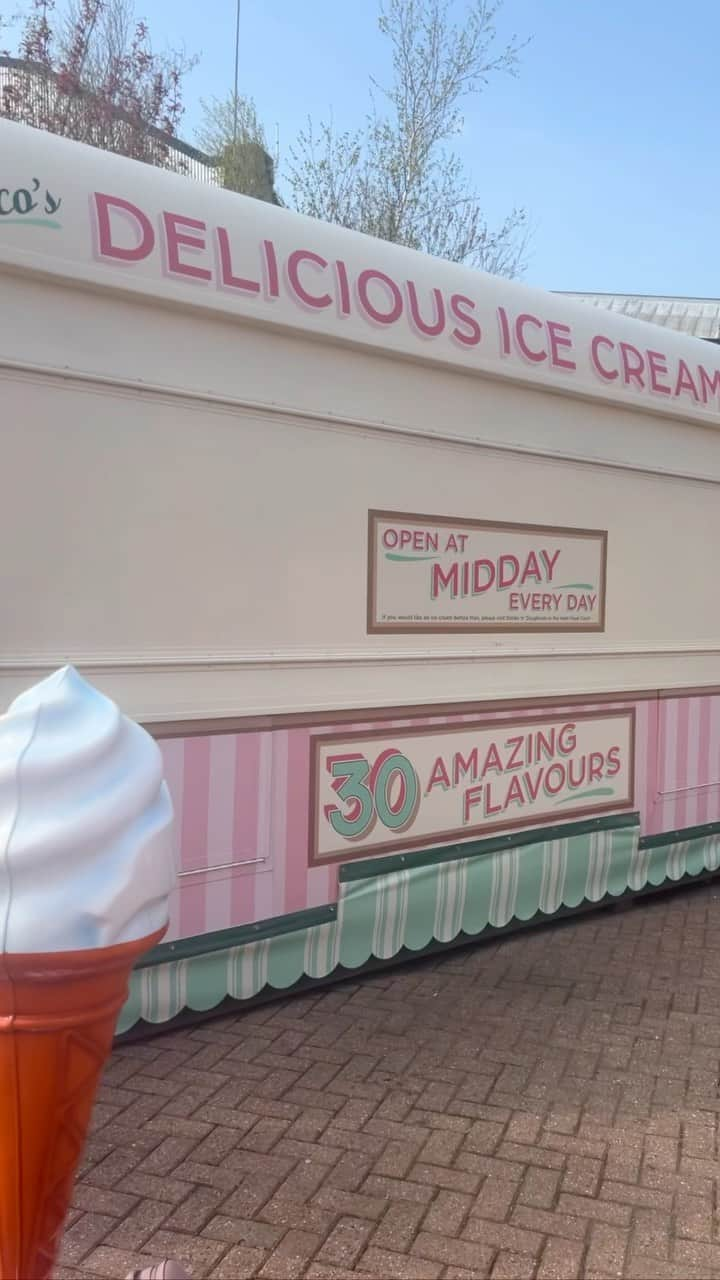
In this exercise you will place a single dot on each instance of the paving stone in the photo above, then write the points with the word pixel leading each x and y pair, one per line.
pixel 82 1237
pixel 290 1258
pixel 606 1252
pixel 137 1227
pixel 561 1260
pixel 345 1242
pixel 542 1106
pixel 539 1188
pixel 450 1252
pixel 513 1266
pixel 241 1263
pixel 196 1252
pixel 448 1213
pixel 399 1226
pixel 383 1265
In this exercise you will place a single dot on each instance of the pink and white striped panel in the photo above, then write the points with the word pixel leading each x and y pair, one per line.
pixel 688 764
pixel 242 805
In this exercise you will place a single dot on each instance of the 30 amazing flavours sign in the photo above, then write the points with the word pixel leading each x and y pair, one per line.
pixel 386 790
pixel 434 573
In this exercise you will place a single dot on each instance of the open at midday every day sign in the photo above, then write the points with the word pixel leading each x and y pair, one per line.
pixel 442 574
pixel 381 791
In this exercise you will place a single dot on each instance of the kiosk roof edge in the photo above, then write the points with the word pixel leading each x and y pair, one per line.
pixel 86 216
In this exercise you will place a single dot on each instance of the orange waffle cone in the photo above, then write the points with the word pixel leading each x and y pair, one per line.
pixel 57 1020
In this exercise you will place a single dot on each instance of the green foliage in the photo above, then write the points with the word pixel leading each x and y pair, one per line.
pixel 396 177
pixel 90 73
pixel 233 136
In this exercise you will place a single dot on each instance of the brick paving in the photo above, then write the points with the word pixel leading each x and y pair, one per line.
pixel 541 1107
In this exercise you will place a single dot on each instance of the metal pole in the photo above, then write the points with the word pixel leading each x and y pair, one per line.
pixel 237 71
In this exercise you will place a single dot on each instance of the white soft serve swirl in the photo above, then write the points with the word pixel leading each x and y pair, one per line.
pixel 86 843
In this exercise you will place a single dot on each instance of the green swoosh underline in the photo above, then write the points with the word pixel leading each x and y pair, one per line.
pixel 390 555
pixel 583 795
pixel 22 221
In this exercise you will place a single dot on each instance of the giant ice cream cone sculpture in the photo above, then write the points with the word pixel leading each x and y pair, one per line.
pixel 86 869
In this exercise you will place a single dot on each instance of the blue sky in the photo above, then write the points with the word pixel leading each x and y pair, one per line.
pixel 608 136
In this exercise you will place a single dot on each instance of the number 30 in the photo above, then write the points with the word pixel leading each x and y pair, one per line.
pixel 369 793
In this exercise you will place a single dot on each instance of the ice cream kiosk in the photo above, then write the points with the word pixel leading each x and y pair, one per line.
pixel 410 571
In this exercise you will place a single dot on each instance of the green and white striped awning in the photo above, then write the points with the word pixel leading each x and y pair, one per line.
pixel 436 899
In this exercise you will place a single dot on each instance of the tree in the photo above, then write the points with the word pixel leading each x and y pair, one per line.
pixel 396 177
pixel 94 76
pixel 232 135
